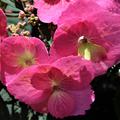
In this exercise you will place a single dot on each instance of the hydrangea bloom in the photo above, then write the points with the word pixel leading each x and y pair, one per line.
pixel 19 52
pixel 50 10
pixel 61 88
pixel 88 36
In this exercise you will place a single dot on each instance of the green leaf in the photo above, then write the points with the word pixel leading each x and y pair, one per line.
pixel 5 96
pixel 12 14
pixel 9 2
pixel 50 41
pixel 14 9
pixel 12 20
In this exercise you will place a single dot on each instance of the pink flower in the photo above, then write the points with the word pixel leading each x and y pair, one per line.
pixel 3 34
pixel 78 10
pixel 111 5
pixel 51 10
pixel 88 36
pixel 3 25
pixel 19 52
pixel 61 88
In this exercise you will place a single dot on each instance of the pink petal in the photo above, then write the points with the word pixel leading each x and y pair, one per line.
pixel 3 25
pixel 2 74
pixel 40 80
pixel 83 100
pixel 13 48
pixel 77 11
pixel 111 5
pixel 107 36
pixel 48 77
pixel 22 89
pixel 61 104
pixel 109 29
pixel 48 12
pixel 82 71
pixel 71 34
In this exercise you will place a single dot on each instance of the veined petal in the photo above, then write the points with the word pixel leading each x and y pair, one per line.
pixel 61 104
pixel 22 89
pixel 83 100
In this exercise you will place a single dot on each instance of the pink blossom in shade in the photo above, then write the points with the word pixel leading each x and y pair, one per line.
pixel 2 74
pixel 3 25
pixel 50 10
pixel 3 34
pixel 88 36
pixel 19 52
pixel 55 88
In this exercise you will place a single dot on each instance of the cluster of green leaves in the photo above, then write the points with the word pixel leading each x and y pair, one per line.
pixel 12 10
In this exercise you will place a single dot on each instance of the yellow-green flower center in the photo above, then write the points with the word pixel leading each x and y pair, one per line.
pixel 55 85
pixel 26 59
pixel 90 51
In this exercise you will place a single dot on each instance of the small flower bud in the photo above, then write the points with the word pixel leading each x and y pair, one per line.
pixel 32 19
pixel 25 33
pixel 21 24
pixel 13 28
pixel 21 15
pixel 29 8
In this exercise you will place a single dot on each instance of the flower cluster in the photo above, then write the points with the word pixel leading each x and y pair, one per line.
pixel 85 44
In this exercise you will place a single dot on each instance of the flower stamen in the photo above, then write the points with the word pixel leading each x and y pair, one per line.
pixel 89 50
